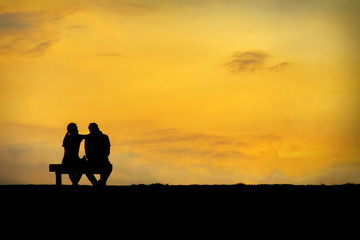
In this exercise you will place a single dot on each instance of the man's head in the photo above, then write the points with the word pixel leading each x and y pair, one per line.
pixel 93 128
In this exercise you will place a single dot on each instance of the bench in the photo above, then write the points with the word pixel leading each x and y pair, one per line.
pixel 59 169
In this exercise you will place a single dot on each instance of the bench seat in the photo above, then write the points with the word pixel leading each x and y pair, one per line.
pixel 60 169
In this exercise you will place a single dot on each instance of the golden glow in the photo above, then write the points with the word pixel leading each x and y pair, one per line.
pixel 188 91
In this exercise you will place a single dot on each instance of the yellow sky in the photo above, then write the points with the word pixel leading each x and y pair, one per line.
pixel 188 91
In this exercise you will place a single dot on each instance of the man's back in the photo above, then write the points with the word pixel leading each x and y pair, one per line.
pixel 97 147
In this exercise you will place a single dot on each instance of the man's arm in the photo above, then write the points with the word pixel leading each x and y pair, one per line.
pixel 83 136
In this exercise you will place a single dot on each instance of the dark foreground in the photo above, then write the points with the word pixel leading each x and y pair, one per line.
pixel 179 198
pixel 159 208
pixel 164 198
pixel 183 189
pixel 185 192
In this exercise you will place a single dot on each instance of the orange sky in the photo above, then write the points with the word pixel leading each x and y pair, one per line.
pixel 188 91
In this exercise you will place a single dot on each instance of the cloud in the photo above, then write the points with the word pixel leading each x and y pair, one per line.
pixel 213 154
pixel 336 173
pixel 167 137
pixel 18 149
pixel 275 177
pixel 26 162
pixel 39 49
pixel 15 21
pixel 26 151
pixel 30 33
pixel 279 66
pixel 181 157
pixel 121 7
pixel 251 62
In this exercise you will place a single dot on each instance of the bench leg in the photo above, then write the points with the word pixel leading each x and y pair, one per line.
pixel 58 179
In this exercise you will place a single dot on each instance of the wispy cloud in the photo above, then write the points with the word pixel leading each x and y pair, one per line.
pixel 336 173
pixel 251 62
pixel 122 7
pixel 39 49
pixel 15 21
pixel 26 151
pixel 169 137
pixel 29 33
pixel 172 155
pixel 175 147
pixel 279 66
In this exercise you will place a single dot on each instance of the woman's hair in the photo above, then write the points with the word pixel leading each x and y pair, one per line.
pixel 72 128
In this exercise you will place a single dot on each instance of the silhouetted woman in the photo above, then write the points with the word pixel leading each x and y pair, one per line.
pixel 71 146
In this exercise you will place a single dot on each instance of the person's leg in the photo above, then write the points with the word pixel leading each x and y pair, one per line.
pixel 76 167
pixel 72 178
pixel 92 179
pixel 77 178
pixel 105 175
pixel 89 169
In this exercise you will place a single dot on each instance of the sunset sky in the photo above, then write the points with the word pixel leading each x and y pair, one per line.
pixel 189 92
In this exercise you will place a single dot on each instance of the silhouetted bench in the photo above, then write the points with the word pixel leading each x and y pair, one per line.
pixel 60 169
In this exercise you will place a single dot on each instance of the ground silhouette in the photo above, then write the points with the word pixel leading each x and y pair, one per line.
pixel 159 190
pixel 147 203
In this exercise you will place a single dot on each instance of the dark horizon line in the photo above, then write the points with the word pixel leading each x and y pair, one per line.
pixel 191 185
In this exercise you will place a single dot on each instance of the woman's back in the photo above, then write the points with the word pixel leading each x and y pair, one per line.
pixel 71 146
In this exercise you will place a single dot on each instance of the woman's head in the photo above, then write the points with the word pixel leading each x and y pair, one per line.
pixel 72 128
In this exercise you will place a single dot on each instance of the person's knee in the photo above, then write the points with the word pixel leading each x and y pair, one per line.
pixel 90 176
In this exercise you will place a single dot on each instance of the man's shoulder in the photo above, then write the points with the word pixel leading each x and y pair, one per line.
pixel 106 137
pixel 102 134
pixel 96 137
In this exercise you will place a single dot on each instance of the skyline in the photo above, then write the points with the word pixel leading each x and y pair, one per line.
pixel 205 92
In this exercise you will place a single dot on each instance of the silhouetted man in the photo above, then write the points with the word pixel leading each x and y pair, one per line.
pixel 97 150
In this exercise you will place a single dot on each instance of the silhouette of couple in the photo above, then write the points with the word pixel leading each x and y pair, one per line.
pixel 97 150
